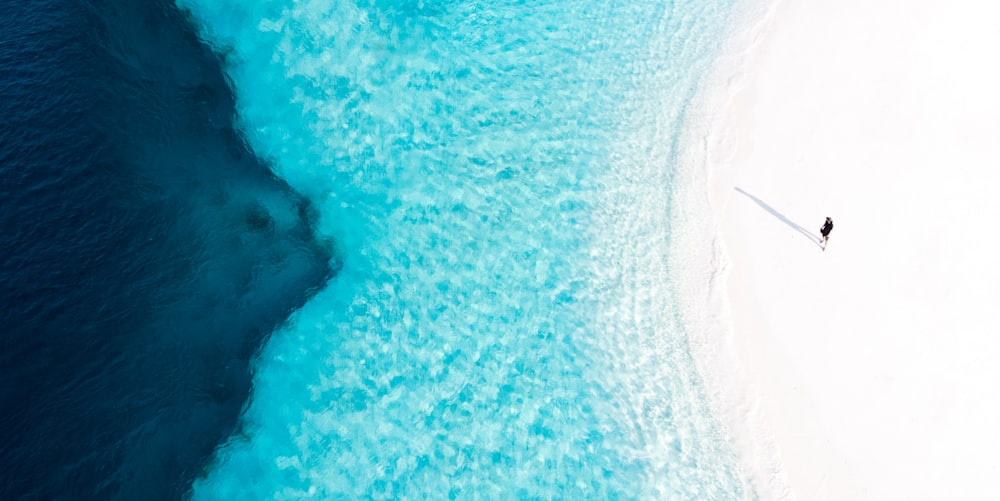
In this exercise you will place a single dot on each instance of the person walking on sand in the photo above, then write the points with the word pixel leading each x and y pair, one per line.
pixel 825 231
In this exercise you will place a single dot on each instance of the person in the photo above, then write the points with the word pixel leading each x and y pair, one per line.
pixel 825 231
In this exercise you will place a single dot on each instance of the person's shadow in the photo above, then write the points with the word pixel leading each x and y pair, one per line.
pixel 811 236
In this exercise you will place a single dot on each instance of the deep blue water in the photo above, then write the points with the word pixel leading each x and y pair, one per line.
pixel 145 252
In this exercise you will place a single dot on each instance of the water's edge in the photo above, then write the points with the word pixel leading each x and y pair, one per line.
pixel 707 166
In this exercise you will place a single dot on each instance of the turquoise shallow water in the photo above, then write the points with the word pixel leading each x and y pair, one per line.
pixel 497 177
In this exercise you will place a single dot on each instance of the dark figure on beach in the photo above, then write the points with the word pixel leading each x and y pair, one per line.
pixel 825 231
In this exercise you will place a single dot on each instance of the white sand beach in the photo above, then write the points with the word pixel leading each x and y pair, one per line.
pixel 868 371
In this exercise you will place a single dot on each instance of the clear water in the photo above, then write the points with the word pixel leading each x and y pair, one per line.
pixel 497 177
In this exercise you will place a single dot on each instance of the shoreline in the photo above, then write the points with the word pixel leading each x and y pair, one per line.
pixel 865 371
pixel 704 297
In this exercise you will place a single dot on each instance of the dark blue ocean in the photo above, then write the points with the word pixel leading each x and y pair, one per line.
pixel 145 252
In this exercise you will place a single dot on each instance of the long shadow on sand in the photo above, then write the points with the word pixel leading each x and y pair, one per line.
pixel 812 237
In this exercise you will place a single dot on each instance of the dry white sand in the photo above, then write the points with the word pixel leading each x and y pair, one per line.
pixel 870 370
